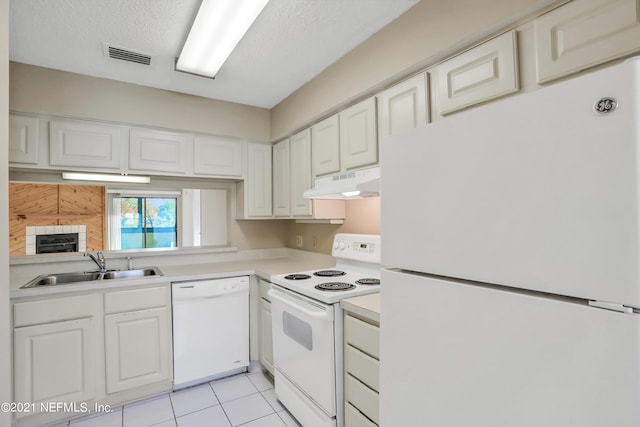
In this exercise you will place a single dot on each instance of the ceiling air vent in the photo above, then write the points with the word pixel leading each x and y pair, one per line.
pixel 124 54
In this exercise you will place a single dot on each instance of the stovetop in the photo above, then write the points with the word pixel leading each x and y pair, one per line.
pixel 357 270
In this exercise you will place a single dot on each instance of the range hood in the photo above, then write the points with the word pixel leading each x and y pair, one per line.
pixel 350 185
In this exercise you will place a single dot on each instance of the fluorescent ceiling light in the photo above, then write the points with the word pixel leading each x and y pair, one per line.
pixel 105 177
pixel 217 29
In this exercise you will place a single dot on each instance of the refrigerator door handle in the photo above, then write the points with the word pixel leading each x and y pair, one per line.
pixel 611 306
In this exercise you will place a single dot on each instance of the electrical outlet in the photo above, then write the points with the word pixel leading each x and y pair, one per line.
pixel 314 242
pixel 299 240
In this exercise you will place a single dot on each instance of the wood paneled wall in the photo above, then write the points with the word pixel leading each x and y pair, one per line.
pixel 48 204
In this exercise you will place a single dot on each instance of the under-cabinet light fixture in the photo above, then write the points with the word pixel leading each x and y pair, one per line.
pixel 77 176
pixel 216 30
pixel 351 193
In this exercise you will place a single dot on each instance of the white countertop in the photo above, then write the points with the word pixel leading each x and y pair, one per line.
pixel 367 306
pixel 264 267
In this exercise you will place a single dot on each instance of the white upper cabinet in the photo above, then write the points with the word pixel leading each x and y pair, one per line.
pixel 403 106
pixel 158 151
pixel 300 173
pixel 254 194
pixel 292 177
pixel 281 179
pixel 485 72
pixel 584 33
pixel 216 155
pixel 325 146
pixel 358 135
pixel 83 144
pixel 23 139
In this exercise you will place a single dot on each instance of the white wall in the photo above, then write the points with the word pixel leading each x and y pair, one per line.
pixel 44 90
pixel 5 368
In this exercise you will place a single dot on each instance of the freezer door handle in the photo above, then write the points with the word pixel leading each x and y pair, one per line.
pixel 611 306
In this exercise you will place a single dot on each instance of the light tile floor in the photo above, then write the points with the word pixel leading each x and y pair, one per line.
pixel 246 400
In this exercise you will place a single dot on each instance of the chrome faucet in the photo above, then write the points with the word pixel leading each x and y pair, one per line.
pixel 98 258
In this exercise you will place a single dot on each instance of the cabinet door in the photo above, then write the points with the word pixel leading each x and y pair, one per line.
pixel 584 33
pixel 54 362
pixel 300 150
pixel 213 155
pixel 23 139
pixel 138 348
pixel 358 136
pixel 84 144
pixel 151 150
pixel 266 340
pixel 403 106
pixel 325 146
pixel 483 73
pixel 258 181
pixel 281 179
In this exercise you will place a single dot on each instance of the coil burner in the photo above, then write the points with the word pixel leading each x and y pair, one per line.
pixel 368 281
pixel 335 286
pixel 329 273
pixel 297 276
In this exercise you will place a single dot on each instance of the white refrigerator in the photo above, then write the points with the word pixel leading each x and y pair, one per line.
pixel 512 235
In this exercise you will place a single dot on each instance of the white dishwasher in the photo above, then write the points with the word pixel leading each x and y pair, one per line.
pixel 210 329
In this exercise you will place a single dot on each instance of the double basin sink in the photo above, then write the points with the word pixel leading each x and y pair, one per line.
pixel 89 276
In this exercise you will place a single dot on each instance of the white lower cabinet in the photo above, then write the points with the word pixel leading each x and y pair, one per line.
pixel 54 351
pixel 137 329
pixel 361 372
pixel 54 362
pixel 90 349
pixel 138 348
pixel 265 338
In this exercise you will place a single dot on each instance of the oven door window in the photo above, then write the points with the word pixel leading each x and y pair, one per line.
pixel 298 330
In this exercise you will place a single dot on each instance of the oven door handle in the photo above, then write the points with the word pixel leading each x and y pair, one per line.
pixel 275 296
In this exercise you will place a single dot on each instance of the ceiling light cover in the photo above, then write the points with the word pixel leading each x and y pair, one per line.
pixel 217 29
pixel 105 177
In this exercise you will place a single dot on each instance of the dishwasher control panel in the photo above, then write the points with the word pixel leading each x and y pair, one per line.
pixel 209 288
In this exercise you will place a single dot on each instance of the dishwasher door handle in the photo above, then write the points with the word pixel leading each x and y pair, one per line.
pixel 194 295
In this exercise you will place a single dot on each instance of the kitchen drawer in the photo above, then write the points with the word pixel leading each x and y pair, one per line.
pixel 362 366
pixel 354 418
pixel 53 310
pixel 136 299
pixel 362 397
pixel 362 335
pixel 264 287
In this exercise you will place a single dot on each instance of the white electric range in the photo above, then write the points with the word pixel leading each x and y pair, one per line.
pixel 308 329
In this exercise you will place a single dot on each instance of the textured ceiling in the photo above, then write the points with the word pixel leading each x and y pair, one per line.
pixel 290 43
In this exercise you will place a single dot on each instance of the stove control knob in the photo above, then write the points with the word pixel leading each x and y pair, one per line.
pixel 335 246
pixel 342 245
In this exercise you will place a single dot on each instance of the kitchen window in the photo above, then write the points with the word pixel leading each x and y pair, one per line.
pixel 144 222
pixel 167 219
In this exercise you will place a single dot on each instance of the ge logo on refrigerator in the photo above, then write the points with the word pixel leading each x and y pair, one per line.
pixel 605 105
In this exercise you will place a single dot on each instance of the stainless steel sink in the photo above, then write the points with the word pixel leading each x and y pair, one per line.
pixel 89 276
pixel 130 274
